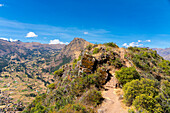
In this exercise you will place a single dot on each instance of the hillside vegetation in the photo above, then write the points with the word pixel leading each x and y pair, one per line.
pixel 26 69
pixel 141 73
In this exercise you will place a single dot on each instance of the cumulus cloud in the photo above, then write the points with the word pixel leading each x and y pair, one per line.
pixel 4 38
pixel 1 5
pixel 56 41
pixel 31 34
pixel 86 33
pixel 137 44
pixel 11 40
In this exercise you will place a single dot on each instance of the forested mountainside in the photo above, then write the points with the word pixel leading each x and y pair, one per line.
pixel 165 53
pixel 141 75
pixel 26 69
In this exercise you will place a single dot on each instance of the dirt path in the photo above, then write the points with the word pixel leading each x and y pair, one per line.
pixel 111 104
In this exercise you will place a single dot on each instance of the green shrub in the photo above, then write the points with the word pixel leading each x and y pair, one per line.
pixel 147 103
pixel 117 63
pixel 51 86
pixel 59 72
pixel 76 108
pixel 89 47
pixel 93 97
pixel 111 44
pixel 79 58
pixel 136 87
pixel 126 74
pixel 39 109
pixel 164 95
pixel 165 66
pixel 96 50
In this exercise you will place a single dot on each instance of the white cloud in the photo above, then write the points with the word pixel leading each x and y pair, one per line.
pixel 139 40
pixel 148 40
pixel 31 34
pixel 13 40
pixel 133 44
pixel 137 44
pixel 19 30
pixel 86 33
pixel 4 38
pixel 125 44
pixel 1 5
pixel 56 41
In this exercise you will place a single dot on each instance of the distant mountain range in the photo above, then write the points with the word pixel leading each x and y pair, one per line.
pixel 7 47
pixel 165 53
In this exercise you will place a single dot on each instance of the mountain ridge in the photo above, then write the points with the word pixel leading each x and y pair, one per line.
pixel 81 86
pixel 163 52
pixel 83 69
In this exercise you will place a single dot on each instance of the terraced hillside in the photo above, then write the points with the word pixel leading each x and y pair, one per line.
pixel 22 74
pixel 28 70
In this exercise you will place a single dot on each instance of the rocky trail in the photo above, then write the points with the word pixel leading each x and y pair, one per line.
pixel 112 102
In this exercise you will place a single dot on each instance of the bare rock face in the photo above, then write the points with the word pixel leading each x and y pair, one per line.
pixel 88 63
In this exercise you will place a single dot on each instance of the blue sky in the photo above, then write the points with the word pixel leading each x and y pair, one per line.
pixel 125 22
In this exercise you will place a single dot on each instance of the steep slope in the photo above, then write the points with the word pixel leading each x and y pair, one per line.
pixel 74 48
pixel 68 53
pixel 165 53
pixel 82 86
pixel 27 69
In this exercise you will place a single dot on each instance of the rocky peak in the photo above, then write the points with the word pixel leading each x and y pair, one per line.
pixel 73 49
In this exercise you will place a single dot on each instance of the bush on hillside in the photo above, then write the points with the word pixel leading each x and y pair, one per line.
pixel 75 108
pixel 96 50
pixel 111 44
pixel 51 86
pixel 164 95
pixel 89 47
pixel 93 97
pixel 165 66
pixel 58 73
pixel 145 102
pixel 127 74
pixel 116 62
pixel 136 87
